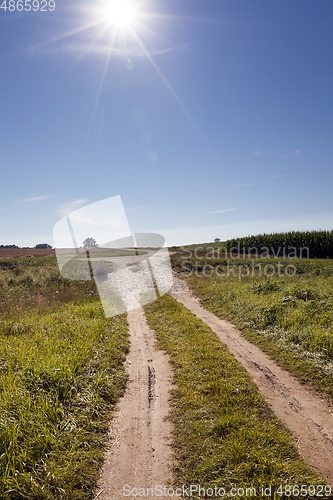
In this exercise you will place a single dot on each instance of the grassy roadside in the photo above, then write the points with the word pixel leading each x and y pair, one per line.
pixel 224 433
pixel 291 318
pixel 35 283
pixel 61 371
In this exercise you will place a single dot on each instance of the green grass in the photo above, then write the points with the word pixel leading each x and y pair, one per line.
pixel 61 372
pixel 107 253
pixel 291 318
pixel 223 430
pixel 34 283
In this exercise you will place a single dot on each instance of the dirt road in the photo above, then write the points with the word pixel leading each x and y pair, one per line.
pixel 138 452
pixel 139 455
pixel 308 417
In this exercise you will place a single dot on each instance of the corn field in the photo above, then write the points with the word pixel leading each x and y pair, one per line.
pixel 309 244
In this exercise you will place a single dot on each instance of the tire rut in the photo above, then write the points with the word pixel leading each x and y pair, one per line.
pixel 309 418
pixel 138 453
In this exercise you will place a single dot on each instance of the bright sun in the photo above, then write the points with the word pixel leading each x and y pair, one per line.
pixel 120 12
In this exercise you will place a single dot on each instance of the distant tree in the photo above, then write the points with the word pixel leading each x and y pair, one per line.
pixel 43 245
pixel 217 240
pixel 90 242
pixel 9 246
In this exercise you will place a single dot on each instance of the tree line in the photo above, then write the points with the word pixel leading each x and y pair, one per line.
pixel 39 245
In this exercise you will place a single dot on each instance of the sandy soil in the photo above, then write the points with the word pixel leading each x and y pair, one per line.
pixel 309 418
pixel 138 452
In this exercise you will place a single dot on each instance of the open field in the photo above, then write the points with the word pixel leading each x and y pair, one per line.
pixel 35 283
pixel 99 252
pixel 62 372
pixel 61 365
pixel 14 253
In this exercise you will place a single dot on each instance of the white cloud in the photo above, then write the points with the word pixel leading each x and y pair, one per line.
pixel 70 206
pixel 223 211
pixel 296 152
pixel 83 49
pixel 134 208
pixel 258 153
pixel 31 200
pixel 244 185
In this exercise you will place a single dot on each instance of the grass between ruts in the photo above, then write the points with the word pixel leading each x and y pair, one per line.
pixel 291 318
pixel 61 371
pixel 224 432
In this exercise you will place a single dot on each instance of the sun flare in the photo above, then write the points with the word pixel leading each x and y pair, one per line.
pixel 120 13
pixel 120 23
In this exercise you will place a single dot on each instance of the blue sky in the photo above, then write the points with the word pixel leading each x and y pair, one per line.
pixel 210 118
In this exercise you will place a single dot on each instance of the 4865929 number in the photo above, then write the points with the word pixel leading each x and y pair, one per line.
pixel 27 5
